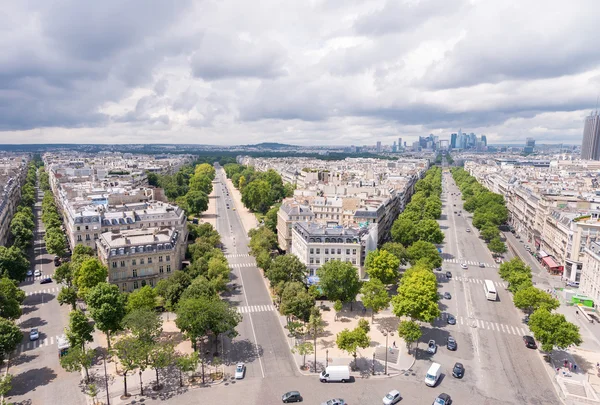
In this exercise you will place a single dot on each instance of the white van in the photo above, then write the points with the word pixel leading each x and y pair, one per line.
pixel 433 374
pixel 335 373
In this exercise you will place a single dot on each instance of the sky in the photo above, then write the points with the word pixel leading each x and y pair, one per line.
pixel 309 72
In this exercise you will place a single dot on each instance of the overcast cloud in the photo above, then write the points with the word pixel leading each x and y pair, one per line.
pixel 305 72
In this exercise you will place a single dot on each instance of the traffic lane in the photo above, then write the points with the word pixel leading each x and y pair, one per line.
pixel 276 354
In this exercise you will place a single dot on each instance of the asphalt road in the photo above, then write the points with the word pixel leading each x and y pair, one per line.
pixel 261 343
pixel 38 376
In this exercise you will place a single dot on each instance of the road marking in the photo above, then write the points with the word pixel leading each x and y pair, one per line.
pixel 498 327
pixel 51 340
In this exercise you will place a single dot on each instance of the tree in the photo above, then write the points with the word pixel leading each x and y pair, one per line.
pixel 68 295
pixel 172 287
pixel 429 231
pixel 13 263
pixel 490 232
pixel 364 324
pixel 531 298
pixel 403 231
pixel 382 265
pixel 160 356
pixel 410 331
pixel 144 297
pixel 186 363
pixel 303 349
pixel 497 246
pixel 296 301
pixel 257 196
pixel 130 352
pixel 82 250
pixel 262 239
pixel 271 218
pixel 200 287
pixel 152 179
pixel 80 329
pixel 337 307
pixel 55 241
pixel 145 324
pixel 397 250
pixel 107 308
pixel 287 268
pixel 424 250
pixel 64 273
pixel 193 318
pixel 21 228
pixel 11 298
pixel 518 281
pixel 91 273
pixel 351 340
pixel 314 327
pixel 513 266
pixel 197 201
pixel 339 281
pixel 78 357
pixel 5 384
pixel 417 296
pixel 553 330
pixel 10 337
pixel 374 296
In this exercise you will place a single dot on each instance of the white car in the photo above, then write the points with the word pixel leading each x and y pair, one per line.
pixel 37 272
pixel 34 334
pixel 392 397
pixel 240 370
pixel 335 401
pixel 464 266
pixel 431 347
pixel 468 230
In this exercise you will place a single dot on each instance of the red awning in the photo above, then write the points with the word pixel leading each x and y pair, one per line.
pixel 548 261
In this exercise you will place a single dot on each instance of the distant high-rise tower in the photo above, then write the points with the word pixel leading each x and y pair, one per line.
pixel 484 140
pixel 399 143
pixel 453 140
pixel 378 146
pixel 590 147
pixel 529 145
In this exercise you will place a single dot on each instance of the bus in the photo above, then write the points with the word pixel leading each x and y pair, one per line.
pixel 490 290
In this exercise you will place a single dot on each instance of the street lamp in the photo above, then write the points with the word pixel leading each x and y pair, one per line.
pixel 106 381
pixel 326 358
pixel 387 333
pixel 374 363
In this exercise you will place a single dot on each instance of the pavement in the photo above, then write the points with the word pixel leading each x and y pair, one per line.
pixel 38 376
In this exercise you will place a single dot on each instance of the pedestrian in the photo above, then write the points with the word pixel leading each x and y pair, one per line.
pixel 577 313
pixel 575 368
pixel 394 344
pixel 566 363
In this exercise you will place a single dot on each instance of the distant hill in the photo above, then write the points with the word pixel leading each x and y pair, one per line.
pixel 273 145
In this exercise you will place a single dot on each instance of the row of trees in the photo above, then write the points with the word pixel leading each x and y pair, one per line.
pixel 22 224
pixel 54 237
pixel 260 190
pixel 549 328
pixel 489 209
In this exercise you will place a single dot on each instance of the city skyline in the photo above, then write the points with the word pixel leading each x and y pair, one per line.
pixel 162 73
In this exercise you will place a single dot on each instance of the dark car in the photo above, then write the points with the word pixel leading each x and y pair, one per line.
pixel 448 274
pixel 451 343
pixel 46 280
pixel 443 399
pixel 526 319
pixel 529 342
pixel 451 320
pixel 292 396
pixel 458 371
pixel 447 295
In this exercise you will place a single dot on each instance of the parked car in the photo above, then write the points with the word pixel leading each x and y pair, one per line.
pixel 431 347
pixel 529 342
pixel 448 274
pixel 451 320
pixel 37 272
pixel 292 396
pixel 240 370
pixel 34 334
pixel 391 397
pixel 29 273
pixel 468 229
pixel 451 343
pixel 46 280
pixel 56 261
pixel 335 401
pixel 458 371
pixel 443 399
pixel 464 266
pixel 447 295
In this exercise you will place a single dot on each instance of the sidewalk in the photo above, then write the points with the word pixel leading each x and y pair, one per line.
pixel 210 215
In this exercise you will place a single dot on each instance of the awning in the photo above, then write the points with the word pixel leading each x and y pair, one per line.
pixel 542 253
pixel 548 261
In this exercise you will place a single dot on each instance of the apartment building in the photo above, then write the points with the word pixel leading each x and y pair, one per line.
pixel 589 285
pixel 289 213
pixel 13 171
pixel 139 257
pixel 315 244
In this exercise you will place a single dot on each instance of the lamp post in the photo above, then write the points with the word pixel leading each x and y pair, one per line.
pixel 326 358
pixel 374 363
pixel 387 333
pixel 106 381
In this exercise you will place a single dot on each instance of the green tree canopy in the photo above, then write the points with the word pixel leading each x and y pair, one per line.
pixel 339 281
pixel 375 296
pixel 197 201
pixel 497 246
pixel 80 329
pixel 10 337
pixel 13 263
pixel 553 330
pixel 429 231
pixel 424 250
pixel 144 323
pixel 397 250
pixel 11 298
pixel 410 332
pixel 91 273
pixel 351 340
pixel 382 265
pixel 107 308
pixel 531 298
pixel 286 268
pixel 171 288
pixel 296 301
pixel 417 296
pixel 144 297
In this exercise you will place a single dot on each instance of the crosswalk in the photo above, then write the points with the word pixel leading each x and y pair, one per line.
pixel 471 262
pixel 487 325
pixel 256 308
pixel 237 255
pixel 499 284
pixel 239 265
pixel 44 291
pixel 49 341
pixel 35 278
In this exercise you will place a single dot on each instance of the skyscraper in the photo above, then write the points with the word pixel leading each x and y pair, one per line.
pixel 529 145
pixel 378 146
pixel 590 147
pixel 453 141
pixel 399 143
pixel 484 140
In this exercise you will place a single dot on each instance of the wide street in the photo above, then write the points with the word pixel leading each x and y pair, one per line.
pixel 38 376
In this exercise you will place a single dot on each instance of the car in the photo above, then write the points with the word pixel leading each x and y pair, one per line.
pixel 464 266
pixel 451 343
pixel 438 269
pixel 34 334
pixel 334 401
pixel 498 260
pixel 292 396
pixel 454 205
pixel 46 280
pixel 455 212
pixel 240 370
pixel 451 320
pixel 529 342
pixel 481 265
pixel 458 371
pixel 56 261
pixel 431 347
pixel 447 295
pixel 526 320
pixel 448 274
pixel 234 208
pixel 468 229
pixel 458 214
pixel 443 399
pixel 37 272
pixel 29 273
pixel 391 397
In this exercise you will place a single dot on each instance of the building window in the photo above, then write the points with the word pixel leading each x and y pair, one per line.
pixel 141 261
pixel 353 251
pixel 339 251
pixel 318 251
pixel 149 260
pixel 87 227
pixel 151 283
pixel 114 265
pixel 311 260
pixel 347 251
pixel 168 268
pixel 168 258
pixel 133 262
pixel 353 261
pixel 326 259
pixel 161 269
pixel 160 259
pixel 135 285
pixel 143 283
pixel 312 251
pixel 122 263
pixel 78 238
pixel 326 251
pixel 78 228
pixel 124 286
pixel 134 273
pixel 87 236
pixel 95 236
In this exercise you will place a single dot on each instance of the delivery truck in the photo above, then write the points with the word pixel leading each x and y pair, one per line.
pixel 335 374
